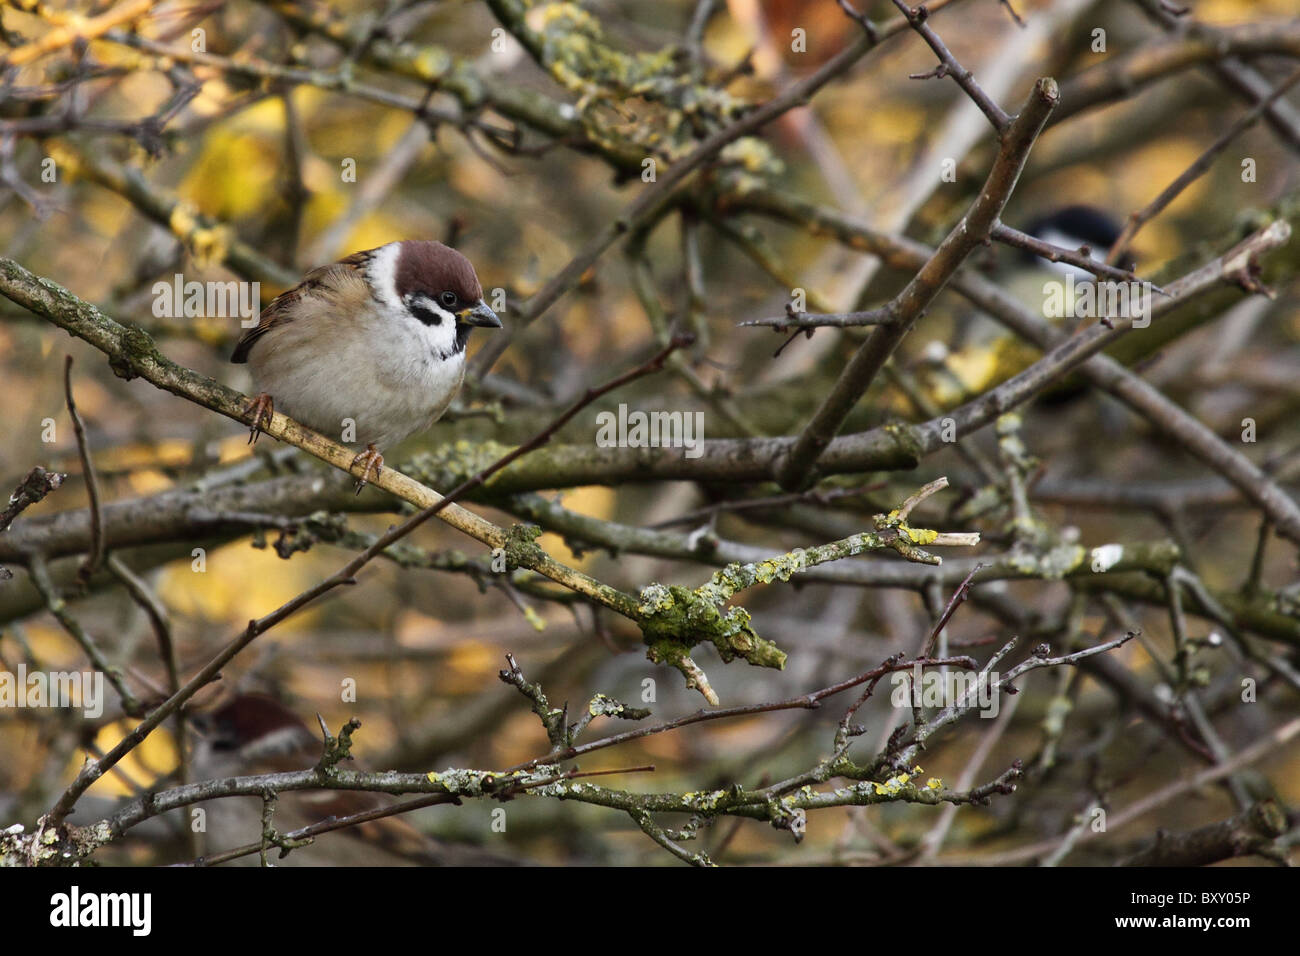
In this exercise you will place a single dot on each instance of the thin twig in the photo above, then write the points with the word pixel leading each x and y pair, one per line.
pixel 948 66
pixel 54 602
pixel 1197 169
pixel 810 701
pixel 96 555
pixel 958 598
pixel 970 232
pixel 1081 258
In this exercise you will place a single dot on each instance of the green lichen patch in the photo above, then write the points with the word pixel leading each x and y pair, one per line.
pixel 676 106
pixel 603 705
pixel 1052 564
pixel 454 463
pixel 521 546
pixel 674 619
pixel 485 783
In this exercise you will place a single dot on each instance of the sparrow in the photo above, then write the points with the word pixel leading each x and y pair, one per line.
pixel 373 344
pixel 255 734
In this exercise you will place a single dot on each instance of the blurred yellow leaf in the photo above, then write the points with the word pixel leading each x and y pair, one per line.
pixel 240 582
pixel 597 501
pixel 469 665
pixel 154 757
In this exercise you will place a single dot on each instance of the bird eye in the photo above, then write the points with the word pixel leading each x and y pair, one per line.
pixel 448 299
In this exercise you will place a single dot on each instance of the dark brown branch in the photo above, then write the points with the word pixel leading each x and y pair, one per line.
pixel 1197 169
pixel 966 236
pixel 1082 257
pixel 1236 267
pixel 95 557
pixel 1123 75
pixel 809 701
pixel 652 200
pixel 1251 832
pixel 958 598
pixel 30 490
pixel 948 66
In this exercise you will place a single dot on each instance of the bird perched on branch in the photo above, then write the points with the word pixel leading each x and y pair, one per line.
pixel 370 349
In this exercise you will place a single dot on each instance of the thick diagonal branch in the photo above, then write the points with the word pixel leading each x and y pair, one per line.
pixel 973 229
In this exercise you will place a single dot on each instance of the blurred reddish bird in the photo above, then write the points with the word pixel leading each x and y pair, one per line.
pixel 253 734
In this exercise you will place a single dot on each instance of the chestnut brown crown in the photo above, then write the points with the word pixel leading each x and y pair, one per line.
pixel 429 267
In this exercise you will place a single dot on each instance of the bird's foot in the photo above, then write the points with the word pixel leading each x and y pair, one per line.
pixel 373 464
pixel 262 410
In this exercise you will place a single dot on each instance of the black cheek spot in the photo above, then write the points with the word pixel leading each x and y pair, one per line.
pixel 425 314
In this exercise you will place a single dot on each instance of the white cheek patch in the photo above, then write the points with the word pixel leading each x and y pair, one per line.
pixel 436 340
pixel 383 275
pixel 425 302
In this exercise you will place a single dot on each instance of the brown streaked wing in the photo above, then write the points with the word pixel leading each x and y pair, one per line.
pixel 278 308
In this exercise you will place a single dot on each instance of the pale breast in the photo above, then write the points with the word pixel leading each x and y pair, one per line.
pixel 356 374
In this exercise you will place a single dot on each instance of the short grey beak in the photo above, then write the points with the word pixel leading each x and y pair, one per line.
pixel 481 316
